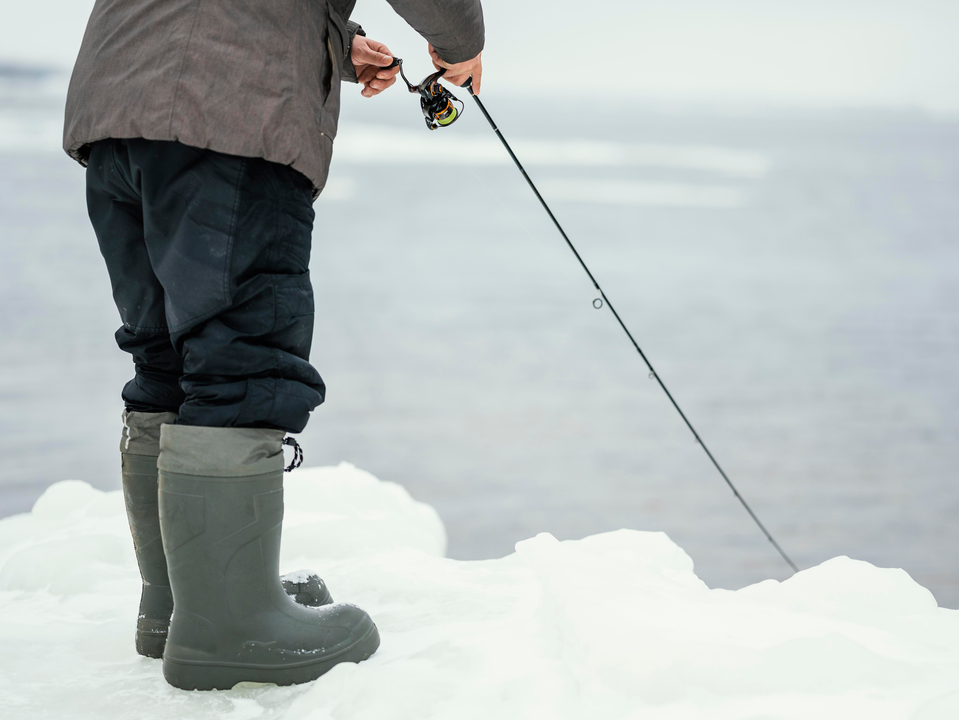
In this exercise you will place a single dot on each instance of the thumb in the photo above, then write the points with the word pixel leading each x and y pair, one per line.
pixel 370 56
pixel 367 55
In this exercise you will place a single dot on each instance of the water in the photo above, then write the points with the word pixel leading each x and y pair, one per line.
pixel 792 276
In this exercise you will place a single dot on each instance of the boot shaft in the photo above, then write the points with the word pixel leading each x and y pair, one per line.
pixel 139 448
pixel 221 537
pixel 140 497
pixel 221 511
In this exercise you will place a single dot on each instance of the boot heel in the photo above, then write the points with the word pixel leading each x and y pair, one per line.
pixel 150 644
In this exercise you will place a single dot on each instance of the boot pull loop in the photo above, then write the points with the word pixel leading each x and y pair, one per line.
pixel 297 454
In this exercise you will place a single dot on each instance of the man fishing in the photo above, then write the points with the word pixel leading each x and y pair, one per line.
pixel 207 129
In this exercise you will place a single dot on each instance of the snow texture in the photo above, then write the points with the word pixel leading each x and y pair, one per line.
pixel 297 576
pixel 615 625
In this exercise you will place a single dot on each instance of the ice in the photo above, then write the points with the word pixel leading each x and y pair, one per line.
pixel 616 625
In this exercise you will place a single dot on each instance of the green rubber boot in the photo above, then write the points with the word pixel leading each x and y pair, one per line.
pixel 139 448
pixel 221 509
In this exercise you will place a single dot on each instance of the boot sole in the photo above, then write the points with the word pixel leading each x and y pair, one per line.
pixel 188 675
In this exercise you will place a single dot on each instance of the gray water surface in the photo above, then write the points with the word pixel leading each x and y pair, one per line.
pixel 803 312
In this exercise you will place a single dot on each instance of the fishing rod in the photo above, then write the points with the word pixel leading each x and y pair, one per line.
pixel 439 107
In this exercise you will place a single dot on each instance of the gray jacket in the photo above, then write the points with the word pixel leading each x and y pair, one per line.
pixel 257 78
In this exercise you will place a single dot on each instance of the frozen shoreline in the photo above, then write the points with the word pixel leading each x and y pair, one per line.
pixel 615 625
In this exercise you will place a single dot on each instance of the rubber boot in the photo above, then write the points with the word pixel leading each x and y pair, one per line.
pixel 221 509
pixel 139 448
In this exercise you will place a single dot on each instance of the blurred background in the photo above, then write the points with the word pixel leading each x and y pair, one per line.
pixel 768 192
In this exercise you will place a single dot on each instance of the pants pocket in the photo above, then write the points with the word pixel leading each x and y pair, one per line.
pixel 191 234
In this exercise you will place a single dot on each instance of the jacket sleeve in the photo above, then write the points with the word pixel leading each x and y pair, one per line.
pixel 453 27
pixel 347 71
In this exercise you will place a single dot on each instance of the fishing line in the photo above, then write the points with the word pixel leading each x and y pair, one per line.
pixel 437 105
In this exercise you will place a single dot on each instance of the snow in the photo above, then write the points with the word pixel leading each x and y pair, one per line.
pixel 302 575
pixel 616 625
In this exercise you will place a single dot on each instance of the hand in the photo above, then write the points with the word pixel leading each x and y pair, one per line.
pixel 458 73
pixel 369 59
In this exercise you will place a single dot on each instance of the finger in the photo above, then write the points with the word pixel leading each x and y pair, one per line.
pixel 462 81
pixel 370 91
pixel 369 56
pixel 460 78
pixel 475 84
pixel 368 73
pixel 382 59
pixel 380 85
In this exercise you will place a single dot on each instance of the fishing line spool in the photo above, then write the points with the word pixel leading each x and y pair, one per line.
pixel 440 107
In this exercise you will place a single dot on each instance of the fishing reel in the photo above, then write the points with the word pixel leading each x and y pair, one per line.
pixel 440 107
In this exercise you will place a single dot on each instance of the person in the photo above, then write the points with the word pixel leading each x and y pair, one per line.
pixel 207 130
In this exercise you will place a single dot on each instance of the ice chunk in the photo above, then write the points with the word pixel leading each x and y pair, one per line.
pixel 614 626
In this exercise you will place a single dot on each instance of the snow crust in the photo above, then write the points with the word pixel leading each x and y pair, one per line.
pixel 615 625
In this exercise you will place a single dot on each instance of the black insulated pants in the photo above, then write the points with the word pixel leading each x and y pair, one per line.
pixel 207 254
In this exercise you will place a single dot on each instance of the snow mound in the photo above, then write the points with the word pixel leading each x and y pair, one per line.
pixel 612 626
